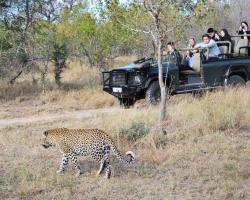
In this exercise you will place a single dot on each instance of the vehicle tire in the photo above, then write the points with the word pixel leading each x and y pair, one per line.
pixel 126 102
pixel 236 81
pixel 153 94
pixel 198 94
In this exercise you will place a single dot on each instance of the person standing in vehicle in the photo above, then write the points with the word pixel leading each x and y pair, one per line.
pixel 244 29
pixel 209 43
pixel 213 34
pixel 190 53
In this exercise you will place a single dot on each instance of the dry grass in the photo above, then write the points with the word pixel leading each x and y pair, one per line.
pixel 80 99
pixel 77 76
pixel 81 89
pixel 56 101
pixel 204 156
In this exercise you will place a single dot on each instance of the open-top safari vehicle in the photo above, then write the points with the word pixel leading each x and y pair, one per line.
pixel 139 79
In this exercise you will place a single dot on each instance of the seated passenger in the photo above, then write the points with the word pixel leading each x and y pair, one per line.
pixel 214 50
pixel 244 29
pixel 190 53
pixel 173 54
pixel 213 34
pixel 224 35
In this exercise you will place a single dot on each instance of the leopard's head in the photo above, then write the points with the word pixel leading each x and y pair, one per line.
pixel 47 140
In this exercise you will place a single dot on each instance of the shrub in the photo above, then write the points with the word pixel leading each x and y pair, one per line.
pixel 134 131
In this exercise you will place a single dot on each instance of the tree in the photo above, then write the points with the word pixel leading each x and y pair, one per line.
pixel 164 20
pixel 154 9
pixel 159 19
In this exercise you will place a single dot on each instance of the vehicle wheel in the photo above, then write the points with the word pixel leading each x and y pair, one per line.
pixel 153 94
pixel 126 102
pixel 236 81
pixel 198 94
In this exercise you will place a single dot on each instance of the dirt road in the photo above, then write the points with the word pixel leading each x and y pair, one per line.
pixel 51 117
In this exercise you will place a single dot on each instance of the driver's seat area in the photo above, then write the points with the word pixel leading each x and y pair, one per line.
pixel 194 69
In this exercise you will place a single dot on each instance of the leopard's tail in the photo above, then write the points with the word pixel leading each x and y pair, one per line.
pixel 130 156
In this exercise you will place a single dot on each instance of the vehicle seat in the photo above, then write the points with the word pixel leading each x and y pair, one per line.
pixel 195 68
pixel 242 47
pixel 233 42
pixel 196 62
pixel 224 49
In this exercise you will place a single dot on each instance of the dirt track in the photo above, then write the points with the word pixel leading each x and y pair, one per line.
pixel 51 117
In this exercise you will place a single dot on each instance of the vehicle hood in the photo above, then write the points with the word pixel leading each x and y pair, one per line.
pixel 152 69
pixel 124 68
pixel 134 66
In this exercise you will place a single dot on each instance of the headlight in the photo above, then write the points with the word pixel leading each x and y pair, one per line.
pixel 137 79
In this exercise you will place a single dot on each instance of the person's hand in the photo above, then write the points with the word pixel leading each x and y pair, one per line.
pixel 240 29
pixel 244 27
pixel 195 51
pixel 217 36
pixel 164 53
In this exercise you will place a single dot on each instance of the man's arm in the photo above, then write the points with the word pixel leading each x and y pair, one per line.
pixel 209 45
pixel 197 46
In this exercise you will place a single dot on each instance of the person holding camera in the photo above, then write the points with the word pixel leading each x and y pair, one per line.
pixel 213 34
pixel 244 30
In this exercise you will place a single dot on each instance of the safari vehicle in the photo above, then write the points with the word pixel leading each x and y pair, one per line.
pixel 139 80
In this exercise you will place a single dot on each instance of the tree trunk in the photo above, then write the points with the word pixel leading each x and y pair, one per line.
pixel 58 71
pixel 163 104
pixel 59 65
pixel 12 81
pixel 43 76
pixel 59 57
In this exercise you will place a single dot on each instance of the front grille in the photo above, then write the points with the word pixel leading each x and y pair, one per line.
pixel 106 78
pixel 118 79
pixel 131 79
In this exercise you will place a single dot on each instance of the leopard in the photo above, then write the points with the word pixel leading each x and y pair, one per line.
pixel 95 143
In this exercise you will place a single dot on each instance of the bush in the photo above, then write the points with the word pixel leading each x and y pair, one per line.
pixel 21 89
pixel 134 131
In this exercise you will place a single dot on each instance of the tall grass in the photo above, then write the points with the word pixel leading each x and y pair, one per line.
pixel 224 110
pixel 215 111
pixel 205 154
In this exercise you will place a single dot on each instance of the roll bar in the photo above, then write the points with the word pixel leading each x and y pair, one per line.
pixel 241 35
pixel 225 42
pixel 219 42
pixel 207 49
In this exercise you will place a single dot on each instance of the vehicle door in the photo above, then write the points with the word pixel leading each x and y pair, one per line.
pixel 171 71
pixel 213 72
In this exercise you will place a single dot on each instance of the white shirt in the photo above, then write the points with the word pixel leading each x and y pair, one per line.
pixel 214 50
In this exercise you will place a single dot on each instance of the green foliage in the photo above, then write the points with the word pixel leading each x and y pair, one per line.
pixel 36 30
pixel 4 38
pixel 134 131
